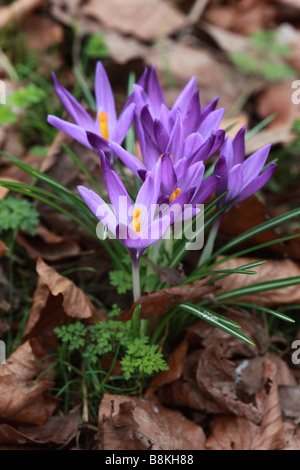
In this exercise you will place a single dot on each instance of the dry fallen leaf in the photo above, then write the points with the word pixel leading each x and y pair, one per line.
pixel 145 20
pixel 235 433
pixel 75 302
pixel 142 424
pixel 158 302
pixel 3 249
pixel 271 270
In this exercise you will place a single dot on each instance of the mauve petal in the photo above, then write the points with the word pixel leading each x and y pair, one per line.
pixel 192 177
pixel 129 160
pixel 155 92
pixel 181 167
pixel 209 108
pixel 139 98
pixel 211 123
pixel 147 119
pixel 98 207
pixel 221 171
pixel 235 182
pixel 176 140
pixel 166 118
pixel 192 119
pixel 97 142
pixel 161 136
pixel 205 150
pixel 124 122
pixel 208 186
pixel 117 192
pixel 73 130
pixel 79 115
pixel 238 145
pixel 168 176
pixel 183 100
pixel 192 144
pixel 253 165
pixel 257 184
pixel 227 152
pixel 104 96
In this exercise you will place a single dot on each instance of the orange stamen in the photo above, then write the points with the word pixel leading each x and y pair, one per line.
pixel 136 221
pixel 174 194
pixel 103 124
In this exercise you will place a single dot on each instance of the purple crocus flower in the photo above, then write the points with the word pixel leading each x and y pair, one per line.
pixel 241 177
pixel 137 225
pixel 106 126
pixel 156 125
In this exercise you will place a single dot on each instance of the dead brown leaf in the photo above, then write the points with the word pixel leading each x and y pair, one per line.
pixel 176 368
pixel 3 249
pixel 271 270
pixel 235 433
pixel 143 424
pixel 47 245
pixel 145 20
pixel 290 402
pixel 75 302
pixel 23 397
pixel 56 430
pixel 18 9
pixel 158 302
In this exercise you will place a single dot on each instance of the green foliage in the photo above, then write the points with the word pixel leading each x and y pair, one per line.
pixel 121 280
pixel 265 58
pixel 96 47
pixel 142 358
pixel 18 213
pixel 7 115
pixel 106 339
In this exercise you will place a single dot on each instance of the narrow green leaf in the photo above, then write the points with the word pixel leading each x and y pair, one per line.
pixel 263 309
pixel 215 320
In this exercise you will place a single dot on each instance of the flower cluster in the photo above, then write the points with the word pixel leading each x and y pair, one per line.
pixel 174 145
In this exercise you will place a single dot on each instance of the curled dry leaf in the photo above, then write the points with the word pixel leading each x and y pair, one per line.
pixel 158 302
pixel 75 302
pixel 47 245
pixel 290 402
pixel 23 397
pixel 228 432
pixel 56 430
pixel 3 249
pixel 142 424
pixel 271 270
pixel 144 20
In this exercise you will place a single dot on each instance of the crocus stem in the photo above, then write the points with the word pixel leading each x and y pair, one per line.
pixel 137 291
pixel 136 279
pixel 209 246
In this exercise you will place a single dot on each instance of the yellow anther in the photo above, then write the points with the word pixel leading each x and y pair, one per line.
pixel 165 154
pixel 136 221
pixel 174 194
pixel 103 124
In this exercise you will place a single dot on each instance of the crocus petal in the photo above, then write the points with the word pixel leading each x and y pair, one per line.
pixel 192 144
pixel 117 192
pixel 238 146
pixel 73 130
pixel 235 182
pixel 104 95
pixel 209 108
pixel 192 177
pixel 161 135
pixel 155 92
pixel 211 123
pixel 124 122
pixel 98 207
pixel 208 186
pixel 184 98
pixel 192 117
pixel 168 176
pixel 253 165
pixel 129 160
pixel 76 111
pixel 221 171
pixel 256 184
pixel 176 140
pixel 97 143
